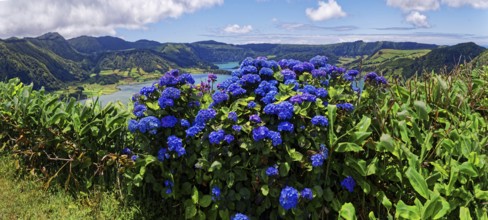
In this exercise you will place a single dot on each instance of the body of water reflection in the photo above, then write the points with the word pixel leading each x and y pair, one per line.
pixel 126 92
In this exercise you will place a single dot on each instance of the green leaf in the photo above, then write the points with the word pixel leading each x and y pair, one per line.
pixel 406 212
pixel 380 195
pixel 422 109
pixel 348 147
pixel 464 214
pixel 480 194
pixel 205 201
pixel 358 165
pixel 468 168
pixel 190 211
pixel 418 182
pixel 284 169
pixel 194 195
pixel 348 212
pixel 216 165
pixel 265 190
pixel 364 124
pixel 295 155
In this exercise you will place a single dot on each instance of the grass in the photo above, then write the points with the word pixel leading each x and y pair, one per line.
pixel 391 54
pixel 24 198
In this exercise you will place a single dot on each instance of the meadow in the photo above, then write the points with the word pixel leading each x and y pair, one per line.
pixel 278 140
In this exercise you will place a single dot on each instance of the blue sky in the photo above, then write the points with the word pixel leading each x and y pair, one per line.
pixel 252 21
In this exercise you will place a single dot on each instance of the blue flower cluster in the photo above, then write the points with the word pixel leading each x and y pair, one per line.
pixel 289 198
pixel 284 110
pixel 139 110
pixel 169 121
pixel 348 183
pixel 147 90
pixel 318 158
pixel 372 77
pixel 272 171
pixel 215 137
pixel 169 186
pixel 346 107
pixel 215 193
pixel 307 194
pixel 239 216
pixel 149 124
pixel 320 120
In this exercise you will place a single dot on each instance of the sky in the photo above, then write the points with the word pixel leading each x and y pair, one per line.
pixel 443 22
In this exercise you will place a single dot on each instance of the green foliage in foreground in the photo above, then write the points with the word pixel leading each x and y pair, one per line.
pixel 23 198
pixel 425 156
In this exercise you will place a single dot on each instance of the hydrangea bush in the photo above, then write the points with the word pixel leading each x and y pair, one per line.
pixel 276 139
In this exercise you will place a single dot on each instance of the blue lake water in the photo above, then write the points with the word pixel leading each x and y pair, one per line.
pixel 126 92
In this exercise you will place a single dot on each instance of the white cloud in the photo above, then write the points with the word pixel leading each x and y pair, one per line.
pixel 237 29
pixel 325 11
pixel 480 4
pixel 414 5
pixel 417 19
pixel 89 17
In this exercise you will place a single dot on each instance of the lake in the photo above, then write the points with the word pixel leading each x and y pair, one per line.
pixel 126 92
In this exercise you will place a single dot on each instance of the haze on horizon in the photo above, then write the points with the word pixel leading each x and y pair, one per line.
pixel 255 21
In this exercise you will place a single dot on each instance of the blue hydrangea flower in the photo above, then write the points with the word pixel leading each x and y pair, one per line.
pixel 173 72
pixel 185 123
pixel 319 61
pixel 317 160
pixel 284 110
pixel 134 157
pixel 126 151
pixel 168 80
pixel 194 130
pixel 288 74
pixel 165 102
pixel 251 104
pixel 272 171
pixel 289 198
pixel 215 137
pixel 285 126
pixel 307 193
pixel 324 151
pixel 186 78
pixel 316 73
pixel 237 128
pixel 239 216
pixel 180 151
pixel 232 116
pixel 255 119
pixel 320 120
pixel 325 83
pixel 205 115
pixel 163 154
pixel 174 143
pixel 235 89
pixel 292 82
pixel 346 107
pixel 147 90
pixel 299 68
pixel 370 76
pixel 308 89
pixel 348 183
pixel 260 133
pixel 219 97
pixel 275 138
pixel 248 70
pixel 229 138
pixel 249 61
pixel 270 109
pixel 351 75
pixel 149 124
pixel 321 93
pixel 269 97
pixel 215 193
pixel 381 80
pixel 139 110
pixel 308 67
pixel 236 73
pixel 169 121
pixel 133 125
pixel 250 78
pixel 266 72
pixel 171 93
pixel 264 88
